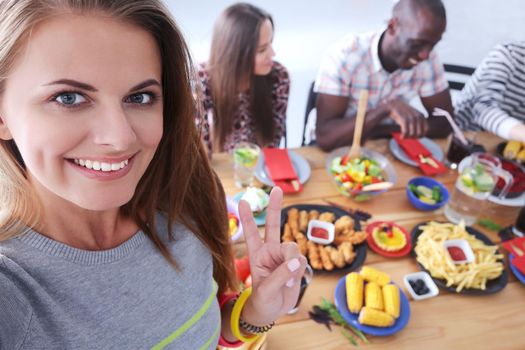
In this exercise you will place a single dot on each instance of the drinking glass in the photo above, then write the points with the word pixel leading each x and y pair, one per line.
pixel 457 151
pixel 305 282
pixel 478 175
pixel 245 156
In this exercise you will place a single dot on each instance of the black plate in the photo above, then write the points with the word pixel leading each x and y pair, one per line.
pixel 493 286
pixel 360 249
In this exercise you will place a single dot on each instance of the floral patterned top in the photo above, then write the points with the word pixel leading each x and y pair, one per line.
pixel 244 126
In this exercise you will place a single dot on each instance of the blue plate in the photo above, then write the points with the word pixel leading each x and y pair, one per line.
pixel 515 271
pixel 351 318
pixel 260 219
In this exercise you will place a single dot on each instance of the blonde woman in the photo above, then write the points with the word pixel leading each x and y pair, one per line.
pixel 113 230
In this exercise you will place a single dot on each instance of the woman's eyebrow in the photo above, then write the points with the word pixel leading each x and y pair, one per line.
pixel 87 87
pixel 73 83
pixel 145 84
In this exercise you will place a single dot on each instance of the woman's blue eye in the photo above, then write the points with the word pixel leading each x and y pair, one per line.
pixel 142 98
pixel 70 98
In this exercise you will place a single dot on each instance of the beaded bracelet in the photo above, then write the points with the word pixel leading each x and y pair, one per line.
pixel 250 328
pixel 223 300
pixel 236 315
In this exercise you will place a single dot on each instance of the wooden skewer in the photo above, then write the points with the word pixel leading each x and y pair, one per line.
pixel 355 150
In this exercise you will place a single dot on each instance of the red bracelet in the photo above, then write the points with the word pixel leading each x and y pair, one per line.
pixel 223 299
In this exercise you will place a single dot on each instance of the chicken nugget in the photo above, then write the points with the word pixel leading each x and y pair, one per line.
pixel 341 238
pixel 348 252
pixel 287 234
pixel 313 215
pixel 327 216
pixel 293 219
pixel 325 258
pixel 343 224
pixel 358 237
pixel 336 256
pixel 303 221
pixel 302 244
pixel 313 256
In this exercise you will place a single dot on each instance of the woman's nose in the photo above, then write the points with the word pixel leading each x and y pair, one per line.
pixel 114 129
pixel 272 51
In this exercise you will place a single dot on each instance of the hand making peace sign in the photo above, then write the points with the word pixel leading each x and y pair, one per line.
pixel 276 267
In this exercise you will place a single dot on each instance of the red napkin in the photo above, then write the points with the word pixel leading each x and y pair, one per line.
pixel 415 150
pixel 281 170
pixel 517 247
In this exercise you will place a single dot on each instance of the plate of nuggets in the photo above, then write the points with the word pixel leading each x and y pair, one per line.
pixel 346 253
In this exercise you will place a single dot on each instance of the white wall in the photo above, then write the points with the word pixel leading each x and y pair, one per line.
pixel 304 29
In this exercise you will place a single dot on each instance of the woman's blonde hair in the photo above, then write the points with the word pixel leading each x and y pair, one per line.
pixel 179 181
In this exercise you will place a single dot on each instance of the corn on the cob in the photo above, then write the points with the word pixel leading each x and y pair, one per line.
pixel 354 291
pixel 521 156
pixel 512 149
pixel 372 275
pixel 391 300
pixel 373 296
pixel 373 317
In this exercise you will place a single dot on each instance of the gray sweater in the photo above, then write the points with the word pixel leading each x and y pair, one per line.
pixel 53 296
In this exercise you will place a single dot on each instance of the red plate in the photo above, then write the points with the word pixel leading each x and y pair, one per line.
pixel 372 244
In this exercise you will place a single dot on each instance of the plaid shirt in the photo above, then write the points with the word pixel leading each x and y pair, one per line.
pixel 353 64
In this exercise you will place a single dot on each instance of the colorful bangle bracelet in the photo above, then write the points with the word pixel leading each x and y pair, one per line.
pixel 223 300
pixel 236 315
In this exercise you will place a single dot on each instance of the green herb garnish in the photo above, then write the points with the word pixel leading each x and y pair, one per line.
pixel 489 224
pixel 327 314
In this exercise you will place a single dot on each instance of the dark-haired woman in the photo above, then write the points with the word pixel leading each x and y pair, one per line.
pixel 244 91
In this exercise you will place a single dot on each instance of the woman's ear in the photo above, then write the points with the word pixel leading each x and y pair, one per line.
pixel 5 133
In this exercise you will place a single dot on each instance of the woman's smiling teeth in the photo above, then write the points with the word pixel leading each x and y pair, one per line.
pixel 102 166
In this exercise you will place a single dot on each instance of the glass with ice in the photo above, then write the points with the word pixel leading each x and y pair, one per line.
pixel 478 174
pixel 245 156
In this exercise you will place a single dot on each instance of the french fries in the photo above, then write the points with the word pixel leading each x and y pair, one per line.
pixel 433 256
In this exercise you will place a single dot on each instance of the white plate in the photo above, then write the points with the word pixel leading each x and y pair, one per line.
pixel 398 152
pixel 509 202
pixel 301 166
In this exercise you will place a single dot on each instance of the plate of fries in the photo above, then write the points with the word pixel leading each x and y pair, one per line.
pixel 346 253
pixel 486 275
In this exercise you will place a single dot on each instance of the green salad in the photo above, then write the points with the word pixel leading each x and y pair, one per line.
pixel 351 175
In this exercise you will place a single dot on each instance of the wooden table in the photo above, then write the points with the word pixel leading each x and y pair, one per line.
pixel 448 320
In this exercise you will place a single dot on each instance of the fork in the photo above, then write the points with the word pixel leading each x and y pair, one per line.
pixel 517 250
pixel 427 160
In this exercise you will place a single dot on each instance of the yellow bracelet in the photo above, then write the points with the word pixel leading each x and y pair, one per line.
pixel 236 315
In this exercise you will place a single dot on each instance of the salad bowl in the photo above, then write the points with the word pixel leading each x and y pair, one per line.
pixel 361 178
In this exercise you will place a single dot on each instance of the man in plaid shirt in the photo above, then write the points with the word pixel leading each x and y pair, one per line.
pixel 394 66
